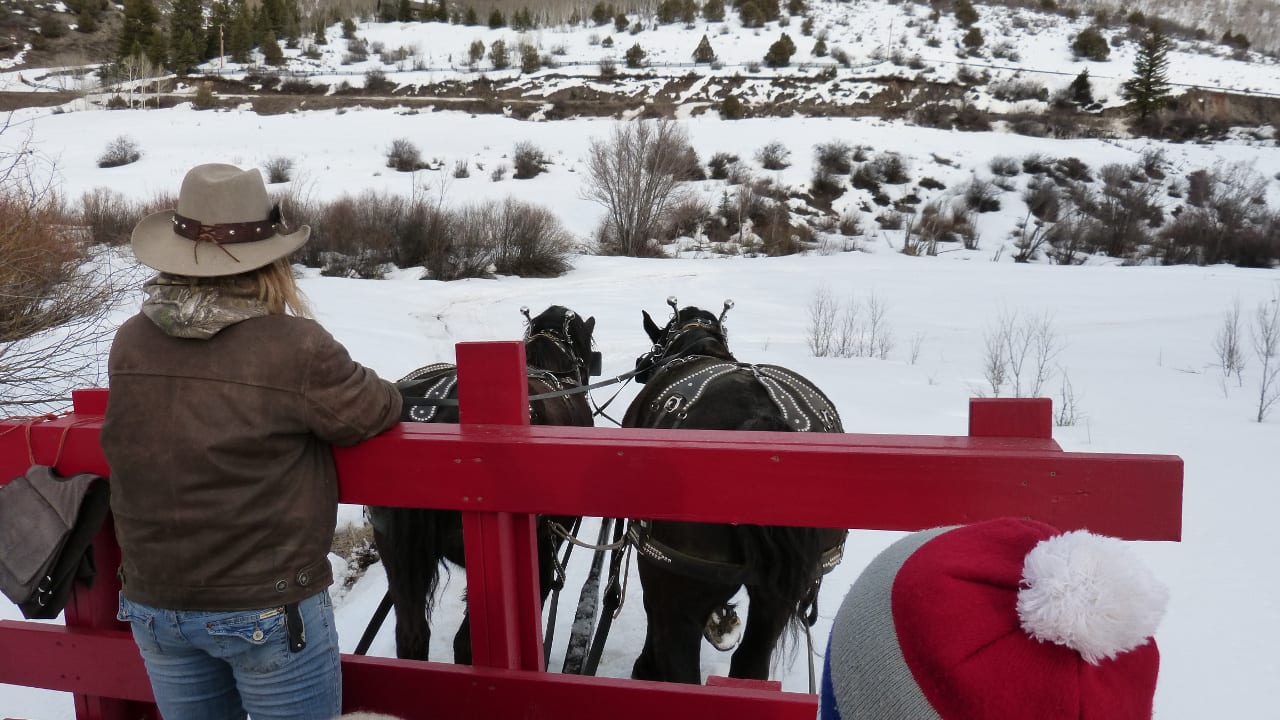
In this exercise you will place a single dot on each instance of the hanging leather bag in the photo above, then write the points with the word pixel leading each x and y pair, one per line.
pixel 47 526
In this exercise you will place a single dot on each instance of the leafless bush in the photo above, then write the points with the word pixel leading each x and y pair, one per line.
pixel 121 151
pixel 1005 166
pixel 55 302
pixel 981 195
pixel 1016 89
pixel 498 173
pixel 528 161
pixel 774 156
pixel 1226 220
pixel 528 240
pixel 634 175
pixel 687 218
pixel 858 328
pixel 461 168
pixel 279 169
pixel 891 168
pixel 404 156
pixel 1228 345
pixel 1030 237
pixel 1043 200
pixel 941 221
pixel 1266 346
pixel 1020 354
pixel 850 224
pixel 834 157
pixel 1069 412
pixel 720 163
pixel 109 216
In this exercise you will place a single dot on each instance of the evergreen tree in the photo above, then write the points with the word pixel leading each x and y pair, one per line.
pixel 271 51
pixel 820 48
pixel 470 17
pixel 780 52
pixel 404 11
pixel 713 11
pixel 87 20
pixel 239 39
pixel 498 55
pixel 1148 90
pixel 496 20
pixel 141 25
pixel 965 14
pixel 1081 90
pixel 320 38
pixel 186 35
pixel 703 53
pixel 635 56
pixel 441 12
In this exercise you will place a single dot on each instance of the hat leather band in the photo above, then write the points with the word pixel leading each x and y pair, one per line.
pixel 225 233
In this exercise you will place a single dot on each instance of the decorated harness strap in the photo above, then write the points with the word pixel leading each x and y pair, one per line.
pixel 802 405
pixel 433 382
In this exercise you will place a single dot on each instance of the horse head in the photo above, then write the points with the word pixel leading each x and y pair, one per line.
pixel 559 340
pixel 691 331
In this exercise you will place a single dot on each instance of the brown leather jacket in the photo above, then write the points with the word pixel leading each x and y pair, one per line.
pixel 222 478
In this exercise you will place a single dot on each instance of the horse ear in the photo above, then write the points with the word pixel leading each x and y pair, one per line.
pixel 590 325
pixel 650 327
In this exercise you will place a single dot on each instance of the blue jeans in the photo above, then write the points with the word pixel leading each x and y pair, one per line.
pixel 221 665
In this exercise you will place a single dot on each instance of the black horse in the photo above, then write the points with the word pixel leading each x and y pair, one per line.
pixel 690 571
pixel 412 542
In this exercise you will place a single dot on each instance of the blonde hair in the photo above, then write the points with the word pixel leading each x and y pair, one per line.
pixel 279 290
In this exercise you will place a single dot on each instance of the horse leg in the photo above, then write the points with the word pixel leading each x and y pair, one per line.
pixel 677 608
pixel 405 547
pixel 765 623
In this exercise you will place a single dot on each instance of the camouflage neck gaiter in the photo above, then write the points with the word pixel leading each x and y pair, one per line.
pixel 200 308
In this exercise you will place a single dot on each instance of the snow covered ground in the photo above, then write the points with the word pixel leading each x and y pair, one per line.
pixel 1137 341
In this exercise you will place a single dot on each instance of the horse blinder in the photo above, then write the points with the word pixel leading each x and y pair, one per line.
pixel 595 364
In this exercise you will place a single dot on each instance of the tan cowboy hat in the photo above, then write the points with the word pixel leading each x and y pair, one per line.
pixel 224 225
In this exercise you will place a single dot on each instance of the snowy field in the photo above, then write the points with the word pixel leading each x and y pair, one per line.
pixel 1136 341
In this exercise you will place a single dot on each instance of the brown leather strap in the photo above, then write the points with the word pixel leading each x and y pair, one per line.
pixel 225 233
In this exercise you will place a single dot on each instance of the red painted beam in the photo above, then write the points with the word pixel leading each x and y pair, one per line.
pixel 451 692
pixel 817 479
pixel 1011 417
pixel 767 478
pixel 107 663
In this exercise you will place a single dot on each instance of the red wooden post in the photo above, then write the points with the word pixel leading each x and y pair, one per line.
pixel 501 548
pixel 1011 417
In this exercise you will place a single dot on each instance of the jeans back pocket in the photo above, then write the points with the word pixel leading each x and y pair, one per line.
pixel 256 641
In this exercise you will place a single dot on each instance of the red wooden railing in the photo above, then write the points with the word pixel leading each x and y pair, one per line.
pixel 498 470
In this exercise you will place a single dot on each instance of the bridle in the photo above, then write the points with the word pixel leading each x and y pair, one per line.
pixel 583 368
pixel 661 354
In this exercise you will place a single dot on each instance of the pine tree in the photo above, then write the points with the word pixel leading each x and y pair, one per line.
pixel 404 11
pixel 780 52
pixel 141 25
pixel 239 39
pixel 703 53
pixel 186 35
pixel 221 16
pixel 271 51
pixel 713 11
pixel 965 14
pixel 1148 90
pixel 1081 90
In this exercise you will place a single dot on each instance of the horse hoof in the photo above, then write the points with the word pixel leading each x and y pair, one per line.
pixel 723 629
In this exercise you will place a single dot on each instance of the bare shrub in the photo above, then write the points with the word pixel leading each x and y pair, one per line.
pixel 850 224
pixel 1017 89
pixel 858 328
pixel 279 169
pixel 941 221
pixel 528 240
pixel 720 163
pixel 774 156
pixel 1004 166
pixel 528 161
pixel 1226 220
pixel 461 168
pixel 121 151
pixel 54 307
pixel 634 175
pixel 981 195
pixel 687 218
pixel 1228 345
pixel 109 216
pixel 1265 334
pixel 404 156
pixel 1030 237
pixel 1069 412
pixel 498 173
pixel 1043 200
pixel 1020 353
pixel 834 157
pixel 891 168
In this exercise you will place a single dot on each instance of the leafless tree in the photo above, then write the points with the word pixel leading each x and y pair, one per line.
pixel 635 175
pixel 1020 353
pixel 55 291
pixel 1229 346
pixel 823 308
pixel 1266 345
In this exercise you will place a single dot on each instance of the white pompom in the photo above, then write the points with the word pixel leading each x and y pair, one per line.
pixel 1090 593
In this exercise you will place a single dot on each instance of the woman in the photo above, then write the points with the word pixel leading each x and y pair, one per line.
pixel 225 402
